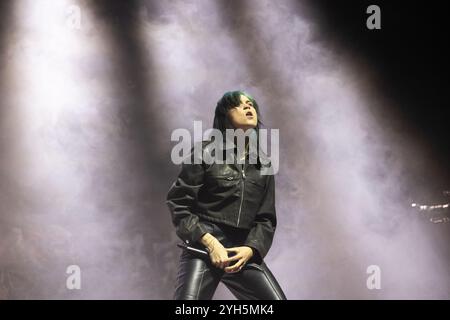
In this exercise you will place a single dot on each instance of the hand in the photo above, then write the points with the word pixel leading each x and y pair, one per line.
pixel 243 254
pixel 217 252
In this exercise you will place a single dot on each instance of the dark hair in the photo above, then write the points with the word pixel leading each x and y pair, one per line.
pixel 230 100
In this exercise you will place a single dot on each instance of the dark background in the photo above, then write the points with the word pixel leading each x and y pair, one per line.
pixel 409 53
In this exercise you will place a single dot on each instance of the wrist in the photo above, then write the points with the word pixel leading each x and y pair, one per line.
pixel 207 240
pixel 252 250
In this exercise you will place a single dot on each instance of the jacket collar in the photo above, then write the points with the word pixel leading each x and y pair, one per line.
pixel 228 144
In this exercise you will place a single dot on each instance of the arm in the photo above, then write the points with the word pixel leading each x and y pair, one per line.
pixel 181 200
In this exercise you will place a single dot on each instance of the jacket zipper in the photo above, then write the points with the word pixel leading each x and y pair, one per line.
pixel 242 194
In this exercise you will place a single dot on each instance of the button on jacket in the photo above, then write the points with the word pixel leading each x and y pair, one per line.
pixel 233 194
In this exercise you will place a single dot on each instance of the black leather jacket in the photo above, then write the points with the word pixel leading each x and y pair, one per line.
pixel 235 195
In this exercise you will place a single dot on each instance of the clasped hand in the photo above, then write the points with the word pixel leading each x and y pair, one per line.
pixel 220 259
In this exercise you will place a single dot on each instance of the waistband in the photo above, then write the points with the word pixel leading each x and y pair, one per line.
pixel 227 235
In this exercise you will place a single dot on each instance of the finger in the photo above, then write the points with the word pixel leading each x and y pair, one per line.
pixel 237 263
pixel 236 267
pixel 233 258
pixel 223 263
pixel 233 252
pixel 234 249
pixel 232 270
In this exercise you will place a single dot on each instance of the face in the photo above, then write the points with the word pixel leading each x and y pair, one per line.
pixel 244 115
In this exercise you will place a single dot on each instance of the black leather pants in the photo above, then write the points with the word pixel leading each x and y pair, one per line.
pixel 198 278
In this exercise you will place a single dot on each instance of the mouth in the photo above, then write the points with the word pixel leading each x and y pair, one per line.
pixel 249 114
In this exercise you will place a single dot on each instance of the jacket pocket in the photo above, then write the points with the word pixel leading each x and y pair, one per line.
pixel 223 182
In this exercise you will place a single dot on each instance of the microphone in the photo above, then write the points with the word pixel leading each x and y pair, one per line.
pixel 193 250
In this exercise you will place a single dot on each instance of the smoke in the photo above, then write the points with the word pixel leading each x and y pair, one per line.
pixel 86 166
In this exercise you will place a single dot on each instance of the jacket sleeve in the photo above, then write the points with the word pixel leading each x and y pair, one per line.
pixel 261 235
pixel 181 200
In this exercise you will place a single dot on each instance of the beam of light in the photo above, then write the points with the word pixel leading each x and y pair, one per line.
pixel 194 64
pixel 343 195
pixel 76 192
pixel 51 111
pixel 191 54
pixel 68 169
pixel 355 171
pixel 87 151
